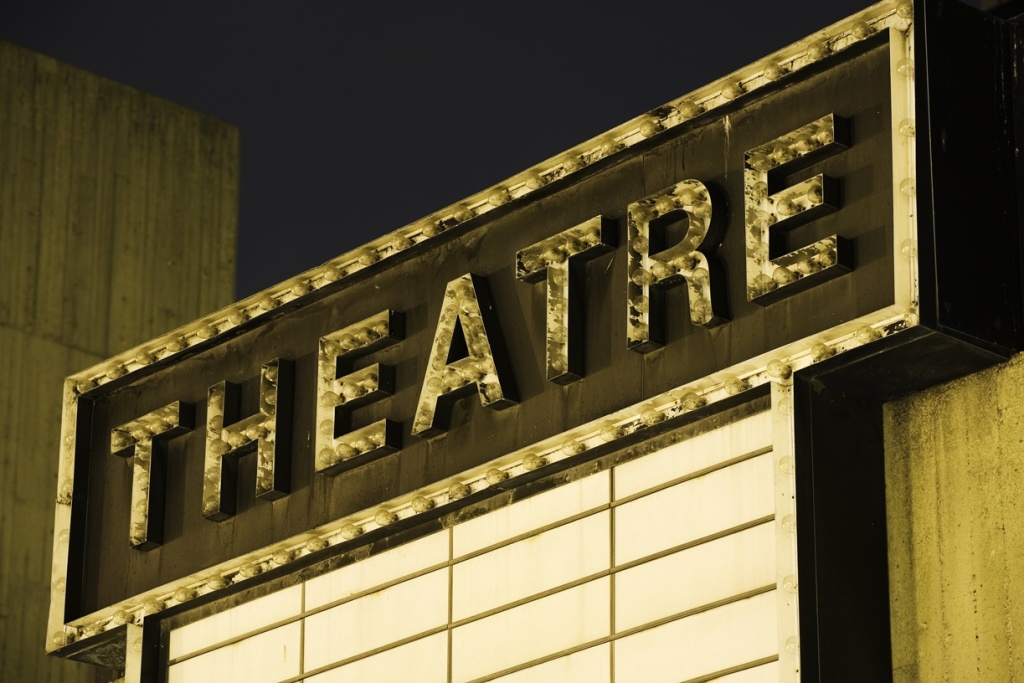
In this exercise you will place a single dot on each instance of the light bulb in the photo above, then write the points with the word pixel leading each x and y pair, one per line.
pixel 787 207
pixel 779 370
pixel 651 417
pixel 422 504
pixel 643 278
pixel 650 127
pixel 732 89
pixel 535 180
pixel 784 276
pixel 573 447
pixel 612 433
pixel 689 110
pixel 533 462
pixel 366 257
pixel 773 71
pixel 316 544
pixel 401 243
pixel 862 30
pixel 498 196
pixel 495 476
pixel 817 50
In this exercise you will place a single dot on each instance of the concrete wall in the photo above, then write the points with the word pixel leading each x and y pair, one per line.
pixel 117 223
pixel 955 503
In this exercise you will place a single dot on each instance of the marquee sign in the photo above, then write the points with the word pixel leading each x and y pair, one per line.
pixel 683 261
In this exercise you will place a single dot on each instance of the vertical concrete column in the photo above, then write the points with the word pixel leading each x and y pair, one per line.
pixel 955 505
pixel 117 223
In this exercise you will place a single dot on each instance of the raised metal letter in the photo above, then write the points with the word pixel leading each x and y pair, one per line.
pixel 686 262
pixel 466 353
pixel 140 439
pixel 770 211
pixel 339 448
pixel 554 259
pixel 228 437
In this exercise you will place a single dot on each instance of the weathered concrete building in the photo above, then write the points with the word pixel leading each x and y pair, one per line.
pixel 117 222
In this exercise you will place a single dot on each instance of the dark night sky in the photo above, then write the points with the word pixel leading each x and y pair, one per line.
pixel 357 118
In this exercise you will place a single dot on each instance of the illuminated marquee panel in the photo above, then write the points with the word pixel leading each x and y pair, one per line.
pixel 786 245
pixel 523 592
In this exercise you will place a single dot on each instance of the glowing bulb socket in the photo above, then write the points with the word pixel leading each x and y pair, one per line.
pixel 85 385
pixel 610 146
pixel 115 371
pixel 385 517
pixel 367 257
pixel 495 476
pixel 818 50
pixel 422 504
pixel 498 197
pixel 572 164
pixel 736 385
pixel 862 30
pixel 282 557
pixel 316 544
pixel 732 90
pixel 535 180
pixel 247 571
pixel 332 273
pixel 693 401
pixel 820 352
pixel 534 462
pixel 689 110
pixel 779 370
pixel 774 71
pixel 151 607
pixel 401 243
pixel 866 335
pixel 345 451
pixel 350 531
pixel 457 491
pixel 650 128
pixel 652 417
pixel 216 583
pixel 612 433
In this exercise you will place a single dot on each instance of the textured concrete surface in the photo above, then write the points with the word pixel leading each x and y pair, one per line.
pixel 955 503
pixel 117 223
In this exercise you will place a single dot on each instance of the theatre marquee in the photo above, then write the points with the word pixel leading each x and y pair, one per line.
pixel 828 216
